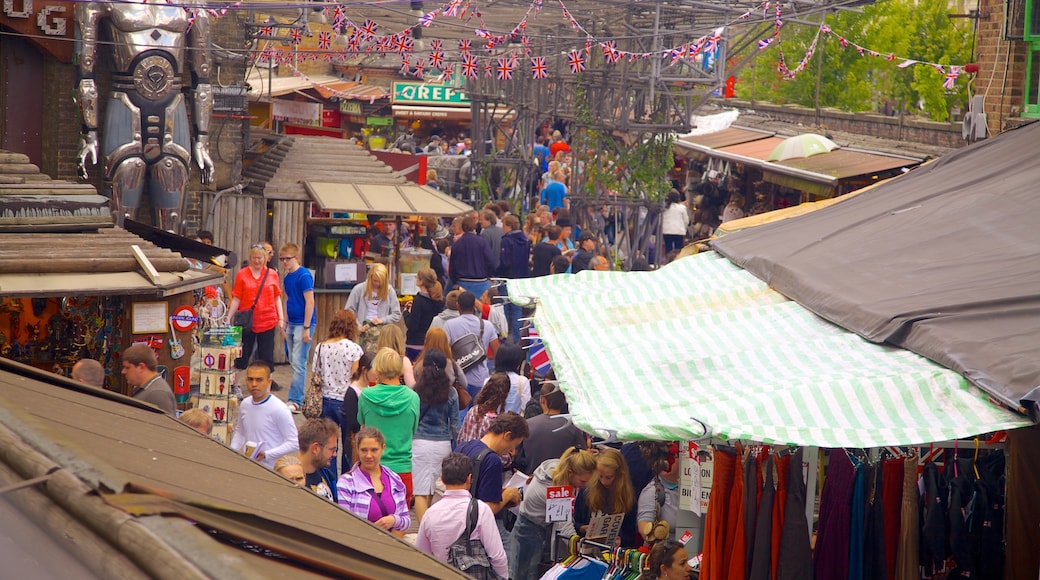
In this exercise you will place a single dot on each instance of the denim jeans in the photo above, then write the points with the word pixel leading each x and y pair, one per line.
pixel 475 288
pixel 299 352
pixel 333 410
pixel 526 544
pixel 513 314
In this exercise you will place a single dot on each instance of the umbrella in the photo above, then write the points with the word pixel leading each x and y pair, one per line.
pixel 800 146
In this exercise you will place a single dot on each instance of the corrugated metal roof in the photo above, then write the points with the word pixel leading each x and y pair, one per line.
pixel 757 149
pixel 845 163
pixel 724 138
pixel 117 445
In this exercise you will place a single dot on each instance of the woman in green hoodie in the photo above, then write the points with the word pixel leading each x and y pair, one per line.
pixel 393 409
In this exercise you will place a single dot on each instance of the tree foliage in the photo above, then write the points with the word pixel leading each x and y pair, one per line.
pixel 916 29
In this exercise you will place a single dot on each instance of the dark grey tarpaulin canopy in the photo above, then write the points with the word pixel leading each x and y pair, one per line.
pixel 944 261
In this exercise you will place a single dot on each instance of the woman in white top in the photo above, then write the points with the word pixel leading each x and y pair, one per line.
pixel 374 303
pixel 674 222
pixel 508 360
pixel 335 361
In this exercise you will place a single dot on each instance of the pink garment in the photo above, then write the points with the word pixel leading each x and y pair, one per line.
pixel 445 521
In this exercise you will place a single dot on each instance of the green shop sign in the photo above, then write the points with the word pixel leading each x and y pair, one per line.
pixel 379 121
pixel 427 93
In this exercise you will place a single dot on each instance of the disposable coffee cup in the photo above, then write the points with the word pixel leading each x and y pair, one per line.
pixel 250 448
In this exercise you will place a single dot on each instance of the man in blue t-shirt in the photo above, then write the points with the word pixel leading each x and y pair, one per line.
pixel 555 192
pixel 541 154
pixel 505 433
pixel 298 284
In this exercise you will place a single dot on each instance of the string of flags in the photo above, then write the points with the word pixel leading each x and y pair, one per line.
pixel 949 72
pixel 490 55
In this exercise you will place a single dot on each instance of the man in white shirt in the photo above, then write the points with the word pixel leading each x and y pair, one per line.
pixel 445 521
pixel 264 419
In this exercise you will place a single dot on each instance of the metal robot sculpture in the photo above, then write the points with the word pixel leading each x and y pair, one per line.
pixel 146 141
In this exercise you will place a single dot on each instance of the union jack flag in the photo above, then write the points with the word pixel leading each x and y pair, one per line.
pixel 951 77
pixel 409 43
pixel 610 51
pixel 678 54
pixel 437 59
pixel 324 40
pixel 488 68
pixel 844 42
pixel 538 356
pixel 576 61
pixel 369 28
pixel 712 42
pixel 465 46
pixel 762 44
pixel 525 42
pixel 420 68
pixel 353 44
pixel 469 66
pixel 295 36
pixel 453 8
pixel 436 45
pixel 427 19
pixel 265 31
pixel 538 68
pixel 449 72
pixel 339 20
pixel 406 67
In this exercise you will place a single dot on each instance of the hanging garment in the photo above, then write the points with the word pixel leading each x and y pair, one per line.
pixel 988 521
pixel 934 531
pixel 907 556
pixel 782 464
pixel 795 562
pixel 831 556
pixel 959 518
pixel 752 490
pixel 736 540
pixel 874 533
pixel 712 566
pixel 857 519
pixel 892 497
pixel 761 559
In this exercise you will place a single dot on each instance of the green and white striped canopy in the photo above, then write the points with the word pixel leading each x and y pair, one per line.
pixel 641 354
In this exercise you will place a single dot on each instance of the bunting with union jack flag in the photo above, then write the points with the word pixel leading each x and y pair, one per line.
pixel 576 61
pixel 469 66
pixel 538 68
pixel 504 70
pixel 324 40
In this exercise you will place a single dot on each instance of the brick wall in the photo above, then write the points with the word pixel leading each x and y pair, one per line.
pixel 881 126
pixel 1002 66
pixel 60 131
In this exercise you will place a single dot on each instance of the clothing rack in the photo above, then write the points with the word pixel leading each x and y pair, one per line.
pixel 617 563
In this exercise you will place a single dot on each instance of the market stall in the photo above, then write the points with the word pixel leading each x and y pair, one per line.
pixel 322 194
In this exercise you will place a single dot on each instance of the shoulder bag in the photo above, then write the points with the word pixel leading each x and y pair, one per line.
pixel 469 349
pixel 312 402
pixel 469 556
pixel 459 384
pixel 244 318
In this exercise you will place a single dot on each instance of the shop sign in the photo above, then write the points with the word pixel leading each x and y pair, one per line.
pixel 350 107
pixel 184 318
pixel 282 109
pixel 41 23
pixel 379 121
pixel 427 93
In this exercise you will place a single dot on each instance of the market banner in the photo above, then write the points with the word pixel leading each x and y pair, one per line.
pixel 701 343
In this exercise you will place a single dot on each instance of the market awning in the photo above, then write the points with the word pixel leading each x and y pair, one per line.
pixel 819 174
pixel 382 199
pixel 105 284
pixel 648 354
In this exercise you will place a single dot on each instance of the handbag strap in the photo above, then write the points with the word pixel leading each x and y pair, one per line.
pixel 471 522
pixel 260 288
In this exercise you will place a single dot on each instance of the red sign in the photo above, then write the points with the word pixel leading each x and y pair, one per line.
pixel 184 318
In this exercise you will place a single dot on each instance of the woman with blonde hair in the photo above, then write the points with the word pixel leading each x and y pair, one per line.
pixel 393 409
pixel 393 338
pixel 257 288
pixel 374 302
pixel 289 467
pixel 335 362
pixel 609 493
pixel 527 540
pixel 419 313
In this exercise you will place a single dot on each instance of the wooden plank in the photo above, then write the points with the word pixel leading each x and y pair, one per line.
pixel 9 179
pixel 12 157
pixel 57 265
pixel 19 168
